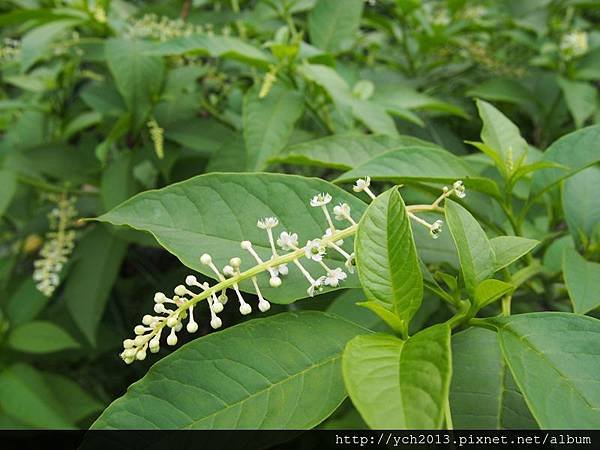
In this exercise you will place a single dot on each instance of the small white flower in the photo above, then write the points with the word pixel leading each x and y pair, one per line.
pixel 281 269
pixel 329 233
pixel 350 263
pixel 320 199
pixel 267 223
pixel 436 229
pixel 362 184
pixel 459 189
pixel 341 211
pixel 334 277
pixel 287 241
pixel 314 250
pixel 316 285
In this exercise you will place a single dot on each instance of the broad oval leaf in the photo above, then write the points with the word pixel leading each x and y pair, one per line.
pixel 583 281
pixel 40 337
pixel 555 360
pixel 282 372
pixel 574 152
pixel 483 393
pixel 213 213
pixel 268 123
pixel 418 164
pixel 386 258
pixel 332 25
pixel 476 255
pixel 344 151
pixel 398 384
pixel 508 249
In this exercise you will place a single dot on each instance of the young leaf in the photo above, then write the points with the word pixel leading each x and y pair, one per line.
pixel 483 393
pixel 574 152
pixel 178 217
pixel 386 258
pixel 98 260
pixel 282 372
pixel 508 249
pixel 491 290
pixel 583 281
pixel 332 25
pixel 40 337
pixel 475 252
pixel 398 384
pixel 420 164
pixel 269 122
pixel 344 151
pixel 555 361
pixel 139 76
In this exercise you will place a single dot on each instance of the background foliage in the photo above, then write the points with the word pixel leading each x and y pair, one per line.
pixel 100 100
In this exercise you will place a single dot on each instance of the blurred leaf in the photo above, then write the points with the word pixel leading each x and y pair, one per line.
pixel 581 204
pixel 36 43
pixel 40 337
pixel 8 187
pixel 583 281
pixel 581 99
pixel 98 258
pixel 26 303
pixel 332 25
pixel 81 122
pixel 269 122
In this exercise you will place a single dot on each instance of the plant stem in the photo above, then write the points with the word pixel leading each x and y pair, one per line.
pixel 448 415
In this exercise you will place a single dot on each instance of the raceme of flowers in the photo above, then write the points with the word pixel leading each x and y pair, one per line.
pixel 171 312
pixel 58 245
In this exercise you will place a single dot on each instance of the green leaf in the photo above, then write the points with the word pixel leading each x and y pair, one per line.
pixel 36 43
pixel 177 217
pixel 398 384
pixel 344 151
pixel 554 360
pixel 77 404
pixel 386 258
pixel 402 97
pixel 508 249
pixel 332 25
pixel 269 122
pixel 118 183
pixel 581 99
pixel 81 122
pixel 574 152
pixel 476 255
pixel 503 90
pixel 346 305
pixel 581 203
pixel 583 281
pixel 40 337
pixel 501 135
pixel 491 290
pixel 375 117
pixel 483 393
pixel 138 76
pixel 98 260
pixel 282 372
pixel 213 46
pixel 25 303
pixel 8 187
pixel 26 397
pixel 420 164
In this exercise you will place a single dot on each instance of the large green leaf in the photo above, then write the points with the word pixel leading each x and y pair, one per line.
pixel 574 152
pixel 508 249
pixel 386 258
pixel 555 361
pixel 37 42
pixel 581 99
pixel 213 213
pixel 483 393
pixel 400 384
pixel 40 337
pixel 583 281
pixel 214 46
pixel 332 25
pixel 269 122
pixel 477 259
pixel 98 260
pixel 581 203
pixel 282 372
pixel 344 151
pixel 138 76
pixel 420 163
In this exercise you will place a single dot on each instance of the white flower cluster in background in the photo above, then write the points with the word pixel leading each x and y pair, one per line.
pixel 161 28
pixel 58 245
pixel 574 44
